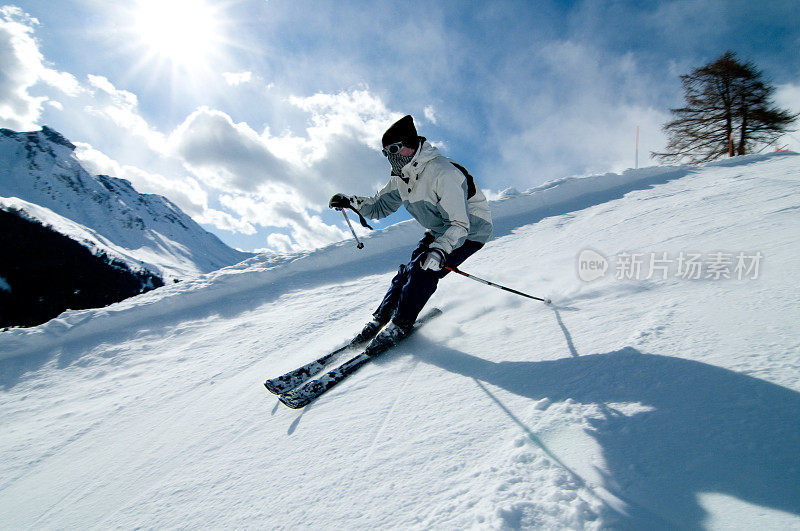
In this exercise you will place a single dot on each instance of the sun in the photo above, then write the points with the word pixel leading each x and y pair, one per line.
pixel 183 32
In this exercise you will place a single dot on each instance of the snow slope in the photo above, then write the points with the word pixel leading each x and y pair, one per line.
pixel 631 403
pixel 147 230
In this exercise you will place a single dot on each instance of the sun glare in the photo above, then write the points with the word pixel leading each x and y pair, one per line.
pixel 183 32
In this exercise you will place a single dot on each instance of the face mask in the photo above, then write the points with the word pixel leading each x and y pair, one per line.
pixel 398 161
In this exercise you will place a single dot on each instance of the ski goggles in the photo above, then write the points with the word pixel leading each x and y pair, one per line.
pixel 393 149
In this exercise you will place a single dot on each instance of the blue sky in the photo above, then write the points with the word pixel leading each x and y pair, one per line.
pixel 249 114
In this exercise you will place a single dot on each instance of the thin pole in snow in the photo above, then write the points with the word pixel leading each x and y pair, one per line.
pixel 482 281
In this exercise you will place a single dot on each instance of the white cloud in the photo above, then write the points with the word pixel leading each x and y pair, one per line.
pixel 121 108
pixel 63 81
pixel 237 78
pixel 342 145
pixel 225 221
pixel 274 208
pixel 227 154
pixel 22 66
pixel 106 86
pixel 357 114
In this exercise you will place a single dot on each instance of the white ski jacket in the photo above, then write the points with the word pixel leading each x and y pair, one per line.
pixel 435 192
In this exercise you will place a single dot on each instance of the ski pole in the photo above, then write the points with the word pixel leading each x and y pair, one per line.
pixel 482 281
pixel 358 242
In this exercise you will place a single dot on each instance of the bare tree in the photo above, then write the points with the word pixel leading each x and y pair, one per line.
pixel 728 110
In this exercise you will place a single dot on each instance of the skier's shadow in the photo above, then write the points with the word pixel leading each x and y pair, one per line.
pixel 707 429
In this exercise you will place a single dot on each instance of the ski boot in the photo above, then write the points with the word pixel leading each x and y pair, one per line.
pixel 387 338
pixel 369 331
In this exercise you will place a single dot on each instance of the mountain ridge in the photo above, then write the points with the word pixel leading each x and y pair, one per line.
pixel 150 230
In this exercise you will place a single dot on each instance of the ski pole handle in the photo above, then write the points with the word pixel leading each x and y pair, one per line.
pixel 482 281
pixel 359 245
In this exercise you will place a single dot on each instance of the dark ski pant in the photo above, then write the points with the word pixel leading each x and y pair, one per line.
pixel 412 286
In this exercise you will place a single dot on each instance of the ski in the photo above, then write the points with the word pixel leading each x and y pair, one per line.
pixel 305 394
pixel 290 380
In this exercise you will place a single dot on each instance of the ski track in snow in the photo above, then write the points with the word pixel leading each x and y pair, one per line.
pixel 648 404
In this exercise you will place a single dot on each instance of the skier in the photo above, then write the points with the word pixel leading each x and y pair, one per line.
pixel 443 198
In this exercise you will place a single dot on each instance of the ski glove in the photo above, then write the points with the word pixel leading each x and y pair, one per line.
pixel 340 201
pixel 433 260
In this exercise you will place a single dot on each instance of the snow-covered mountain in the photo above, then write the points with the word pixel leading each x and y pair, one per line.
pixel 661 390
pixel 104 213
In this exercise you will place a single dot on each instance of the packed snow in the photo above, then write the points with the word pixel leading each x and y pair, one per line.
pixel 645 398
